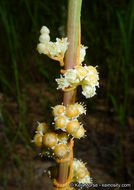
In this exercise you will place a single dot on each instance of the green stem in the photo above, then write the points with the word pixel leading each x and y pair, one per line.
pixel 73 23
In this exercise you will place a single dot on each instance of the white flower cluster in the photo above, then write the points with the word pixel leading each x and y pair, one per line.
pixel 55 49
pixel 86 76
pixel 80 173
pixel 66 119
pixel 52 49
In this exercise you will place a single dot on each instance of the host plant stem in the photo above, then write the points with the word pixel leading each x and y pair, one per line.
pixel 73 23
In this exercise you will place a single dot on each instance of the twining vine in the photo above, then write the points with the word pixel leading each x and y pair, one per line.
pixel 58 142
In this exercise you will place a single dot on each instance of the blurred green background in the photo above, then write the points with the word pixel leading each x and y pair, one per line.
pixel 28 88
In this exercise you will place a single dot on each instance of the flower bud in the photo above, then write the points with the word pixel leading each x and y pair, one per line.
pixel 79 133
pixel 41 48
pixel 50 139
pixel 44 29
pixel 61 151
pixel 58 110
pixel 42 127
pixel 38 139
pixel 60 122
pixel 72 111
pixel 44 38
pixel 72 127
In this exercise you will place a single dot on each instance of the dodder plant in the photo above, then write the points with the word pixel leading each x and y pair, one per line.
pixel 59 143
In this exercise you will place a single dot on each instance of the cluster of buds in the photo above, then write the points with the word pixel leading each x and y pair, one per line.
pixel 55 143
pixel 55 50
pixel 86 76
pixel 80 173
pixel 66 119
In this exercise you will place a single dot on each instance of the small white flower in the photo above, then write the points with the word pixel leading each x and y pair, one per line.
pixel 71 76
pixel 91 80
pixel 91 70
pixel 62 44
pixel 62 83
pixel 44 29
pixel 42 48
pixel 53 49
pixel 81 72
pixel 80 76
pixel 82 53
pixel 88 91
pixel 44 38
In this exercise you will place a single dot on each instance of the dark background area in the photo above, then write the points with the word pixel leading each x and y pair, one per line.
pixel 28 90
